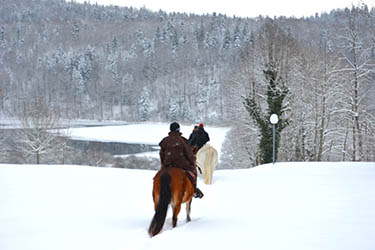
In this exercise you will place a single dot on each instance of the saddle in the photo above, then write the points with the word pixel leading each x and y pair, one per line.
pixel 193 178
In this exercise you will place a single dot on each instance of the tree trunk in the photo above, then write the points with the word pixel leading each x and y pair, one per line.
pixel 37 158
pixel 321 130
pixel 345 146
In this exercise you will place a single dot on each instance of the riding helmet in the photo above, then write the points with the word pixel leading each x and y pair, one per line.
pixel 174 126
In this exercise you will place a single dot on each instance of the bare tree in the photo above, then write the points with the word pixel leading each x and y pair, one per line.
pixel 38 133
pixel 314 106
pixel 357 67
pixel 241 143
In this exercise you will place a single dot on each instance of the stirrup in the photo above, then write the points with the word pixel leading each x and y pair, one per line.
pixel 198 193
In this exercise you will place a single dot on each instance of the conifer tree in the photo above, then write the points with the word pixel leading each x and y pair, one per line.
pixel 276 93
pixel 144 105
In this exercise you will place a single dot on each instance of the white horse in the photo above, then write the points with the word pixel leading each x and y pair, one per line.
pixel 207 160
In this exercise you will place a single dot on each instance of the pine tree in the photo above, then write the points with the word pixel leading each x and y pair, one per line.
pixel 227 43
pixel 144 105
pixel 276 93
pixel 75 31
pixel 2 38
pixel 173 111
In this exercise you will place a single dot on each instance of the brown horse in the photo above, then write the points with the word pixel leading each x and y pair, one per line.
pixel 171 186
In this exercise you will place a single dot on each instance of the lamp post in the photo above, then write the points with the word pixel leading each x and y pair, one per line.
pixel 274 119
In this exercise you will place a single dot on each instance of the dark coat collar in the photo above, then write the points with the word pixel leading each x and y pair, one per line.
pixel 174 133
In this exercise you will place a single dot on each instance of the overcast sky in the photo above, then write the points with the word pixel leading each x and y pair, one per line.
pixel 242 8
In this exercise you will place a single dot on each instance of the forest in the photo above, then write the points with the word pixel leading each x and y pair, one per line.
pixel 64 61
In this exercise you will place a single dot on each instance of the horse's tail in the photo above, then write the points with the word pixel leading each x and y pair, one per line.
pixel 164 200
pixel 210 155
pixel 209 165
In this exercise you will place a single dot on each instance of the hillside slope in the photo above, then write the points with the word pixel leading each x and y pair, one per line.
pixel 285 206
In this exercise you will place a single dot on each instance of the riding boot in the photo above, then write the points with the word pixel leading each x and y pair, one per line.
pixel 198 193
pixel 193 177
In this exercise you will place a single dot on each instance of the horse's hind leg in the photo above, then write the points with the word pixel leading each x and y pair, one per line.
pixel 188 209
pixel 176 211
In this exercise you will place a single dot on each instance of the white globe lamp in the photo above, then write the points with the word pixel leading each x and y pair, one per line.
pixel 274 119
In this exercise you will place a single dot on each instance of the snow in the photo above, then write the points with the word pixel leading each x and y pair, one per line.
pixel 282 206
pixel 293 206
pixel 143 133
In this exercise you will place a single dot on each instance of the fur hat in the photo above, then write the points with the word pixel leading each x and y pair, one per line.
pixel 201 125
pixel 174 126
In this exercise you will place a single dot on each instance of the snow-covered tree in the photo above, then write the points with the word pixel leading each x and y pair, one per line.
pixel 173 111
pixel 275 46
pixel 2 37
pixel 144 105
pixel 39 130
pixel 357 67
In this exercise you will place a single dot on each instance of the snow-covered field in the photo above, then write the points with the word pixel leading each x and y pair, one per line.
pixel 289 206
pixel 292 206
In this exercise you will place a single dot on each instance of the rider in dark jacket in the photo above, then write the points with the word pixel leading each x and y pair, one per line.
pixel 193 133
pixel 199 138
pixel 176 152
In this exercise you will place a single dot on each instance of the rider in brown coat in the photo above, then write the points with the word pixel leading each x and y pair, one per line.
pixel 176 152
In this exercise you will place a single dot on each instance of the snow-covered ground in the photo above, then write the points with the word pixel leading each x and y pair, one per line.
pixel 292 206
pixel 289 206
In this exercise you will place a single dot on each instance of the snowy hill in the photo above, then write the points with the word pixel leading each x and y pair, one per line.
pixel 286 206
